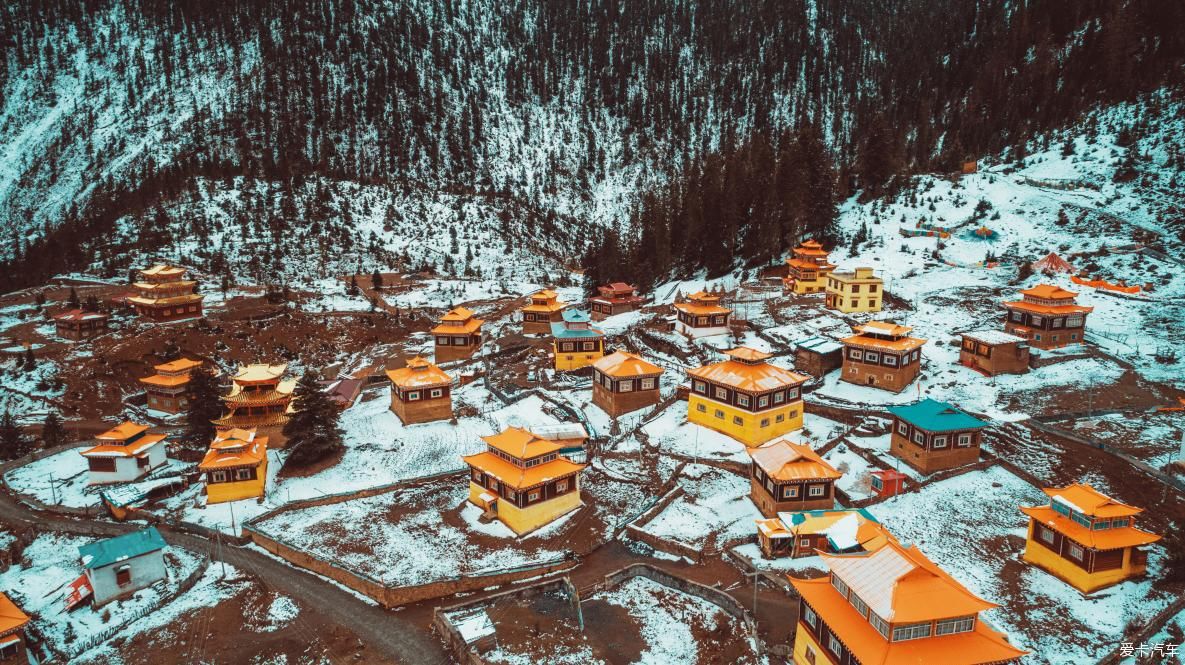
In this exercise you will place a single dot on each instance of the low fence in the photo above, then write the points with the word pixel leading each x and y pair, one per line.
pixel 380 591
pixel 98 638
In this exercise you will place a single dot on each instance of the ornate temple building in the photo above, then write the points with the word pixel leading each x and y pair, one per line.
pixel 168 389
pixel 458 336
pixel 1047 316
pixel 807 271
pixel 882 355
pixel 163 293
pixel 260 397
pixel 544 309
pixel 575 343
pixel 701 316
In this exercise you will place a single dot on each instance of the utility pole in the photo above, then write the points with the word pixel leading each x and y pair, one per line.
pixel 232 517
pixel 53 489
pixel 220 556
pixel 756 582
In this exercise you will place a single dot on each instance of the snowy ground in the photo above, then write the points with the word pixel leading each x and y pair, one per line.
pixel 1153 437
pixel 56 480
pixel 38 589
pixel 269 612
pixel 714 508
pixel 857 477
pixel 410 537
pixel 662 624
pixel 980 543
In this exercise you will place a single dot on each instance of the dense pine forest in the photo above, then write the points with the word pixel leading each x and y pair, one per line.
pixel 688 134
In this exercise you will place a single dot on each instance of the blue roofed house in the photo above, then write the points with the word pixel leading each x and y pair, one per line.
pixel 932 436
pixel 576 343
pixel 119 566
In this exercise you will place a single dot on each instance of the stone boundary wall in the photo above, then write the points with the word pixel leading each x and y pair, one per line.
pixel 452 637
pixel 382 593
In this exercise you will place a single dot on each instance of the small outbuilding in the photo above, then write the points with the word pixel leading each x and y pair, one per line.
pixel 994 352
pixel 818 356
pixel 78 324
pixel 120 566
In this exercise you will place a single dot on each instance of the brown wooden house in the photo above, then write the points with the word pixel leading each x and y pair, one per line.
pixel 1047 317
pixel 790 477
pixel 458 336
pixel 818 356
pixel 882 355
pixel 994 352
pixel 544 309
pixel 12 633
pixel 807 533
pixel 613 299
pixel 932 436
pixel 77 324
pixel 421 392
pixel 623 382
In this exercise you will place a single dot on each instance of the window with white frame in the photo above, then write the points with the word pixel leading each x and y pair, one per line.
pixel 561 486
pixel 879 624
pixel 719 414
pixel 902 428
pixel 1074 322
pixel 860 605
pixel 626 386
pixel 646 384
pixel 763 401
pixel 855 354
pixel 919 437
pixel 939 441
pixel 477 476
pixel 244 474
pixel 809 616
pixel 958 625
pixel 1018 317
pixel 436 392
pixel 914 631
pixel 413 396
pixel 792 393
pixel 834 644
pixel 789 491
pixel 721 393
pixel 817 490
pixel 839 585
pixel 890 361
pixel 701 408
pixel 1075 551
pixel 871 357
pixel 742 400
pixel 1036 319
pixel 963 441
pixel 442 341
pixel 218 476
pixel 1045 534
pixel 779 397
pixel 737 420
pixel 533 495
pixel 699 386
pixel 589 346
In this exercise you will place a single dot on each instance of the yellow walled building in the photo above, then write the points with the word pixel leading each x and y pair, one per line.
pixel 858 291
pixel 575 342
pixel 235 466
pixel 1086 538
pixel 745 397
pixel 522 481
pixel 807 271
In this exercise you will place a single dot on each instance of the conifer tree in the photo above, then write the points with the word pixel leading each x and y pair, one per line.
pixel 13 442
pixel 205 406
pixel 52 432
pixel 72 299
pixel 313 431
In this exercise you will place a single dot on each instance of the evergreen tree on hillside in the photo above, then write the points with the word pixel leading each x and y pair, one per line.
pixel 72 299
pixel 1174 543
pixel 376 280
pixel 53 433
pixel 205 405
pixel 13 442
pixel 313 431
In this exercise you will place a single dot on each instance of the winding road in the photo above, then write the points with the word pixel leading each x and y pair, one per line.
pixel 393 635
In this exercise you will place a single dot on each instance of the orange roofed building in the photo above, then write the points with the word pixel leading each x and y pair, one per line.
pixel 624 382
pixel 421 392
pixel 124 453
pixel 745 397
pixel 458 336
pixel 787 476
pixel 259 397
pixel 12 632
pixel 810 532
pixel 544 309
pixel 164 294
pixel 881 355
pixel 1047 316
pixel 235 466
pixel 701 316
pixel 893 606
pixel 168 389
pixel 613 299
pixel 807 271
pixel 1086 538
pixel 522 481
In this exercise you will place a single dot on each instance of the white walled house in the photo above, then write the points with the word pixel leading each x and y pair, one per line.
pixel 120 566
pixel 124 453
